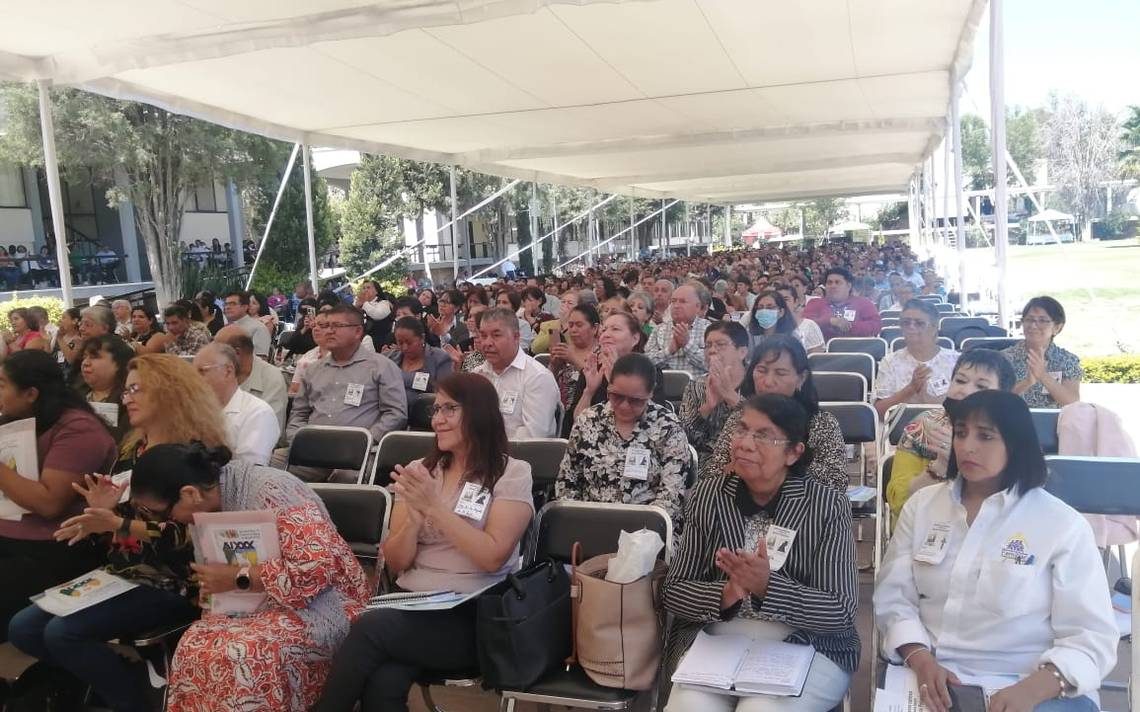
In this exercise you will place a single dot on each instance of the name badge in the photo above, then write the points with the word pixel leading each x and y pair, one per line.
pixel 938 387
pixel 933 549
pixel 507 402
pixel 60 358
pixel 473 501
pixel 420 381
pixel 636 464
pixel 849 314
pixel 779 543
pixel 109 412
pixel 1057 376
pixel 353 394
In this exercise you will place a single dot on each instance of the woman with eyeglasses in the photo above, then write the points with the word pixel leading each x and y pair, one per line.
pixel 275 659
pixel 708 400
pixel 459 515
pixel 920 372
pixel 767 553
pixel 167 402
pixel 449 326
pixel 780 365
pixel 70 442
pixel 620 334
pixel 628 450
pixel 1048 376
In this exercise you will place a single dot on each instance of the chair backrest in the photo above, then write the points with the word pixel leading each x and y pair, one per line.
pixel 359 512
pixel 862 364
pixel 544 359
pixel 873 345
pixel 673 387
pixel 840 387
pixel 997 343
pixel 331 447
pixel 932 298
pixel 888 321
pixel 1045 423
pixel 399 447
pixel 1096 485
pixel 950 325
pixel 944 308
pixel 419 412
pixel 890 333
pixel 899 416
pixel 890 314
pixel 899 343
pixel 858 421
pixel 545 458
pixel 596 526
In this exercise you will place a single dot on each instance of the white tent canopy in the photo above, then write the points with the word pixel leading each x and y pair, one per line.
pixel 655 98
pixel 1049 214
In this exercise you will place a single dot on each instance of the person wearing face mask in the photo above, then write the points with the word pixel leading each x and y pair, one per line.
pixel 924 449
pixel 708 401
pixel 769 316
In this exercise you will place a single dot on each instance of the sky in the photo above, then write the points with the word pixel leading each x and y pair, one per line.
pixel 1088 47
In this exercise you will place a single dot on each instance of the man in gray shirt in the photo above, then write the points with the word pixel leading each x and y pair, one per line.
pixel 236 308
pixel 351 386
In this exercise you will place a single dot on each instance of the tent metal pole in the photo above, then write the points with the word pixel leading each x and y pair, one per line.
pixel 688 233
pixel 55 196
pixel 956 133
pixel 632 234
pixel 273 213
pixel 1030 194
pixel 662 238
pixel 946 190
pixel 613 237
pixel 912 213
pixel 728 225
pixel 997 123
pixel 930 186
pixel 454 237
pixel 313 274
pixel 552 233
pixel 533 221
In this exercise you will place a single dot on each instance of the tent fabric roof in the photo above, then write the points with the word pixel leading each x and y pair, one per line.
pixel 1052 215
pixel 656 98
pixel 762 228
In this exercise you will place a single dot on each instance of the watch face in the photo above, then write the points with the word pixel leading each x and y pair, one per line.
pixel 242 581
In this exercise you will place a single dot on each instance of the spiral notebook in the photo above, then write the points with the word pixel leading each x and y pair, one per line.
pixel 738 665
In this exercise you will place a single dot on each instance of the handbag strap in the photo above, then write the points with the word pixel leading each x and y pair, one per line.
pixel 575 602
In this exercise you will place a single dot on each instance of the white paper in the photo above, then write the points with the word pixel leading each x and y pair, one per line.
pixel 82 592
pixel 424 600
pixel 890 701
pixel 109 412
pixel 236 539
pixel 636 463
pixel 740 665
pixel 18 452
pixel 507 402
pixel 774 664
pixel 901 681
pixel 420 381
pixel 860 493
pixel 778 543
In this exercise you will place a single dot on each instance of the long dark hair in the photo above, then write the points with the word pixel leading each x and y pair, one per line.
pixel 36 369
pixel 786 324
pixel 482 426
pixel 1025 463
pixel 119 351
pixel 768 351
pixel 163 470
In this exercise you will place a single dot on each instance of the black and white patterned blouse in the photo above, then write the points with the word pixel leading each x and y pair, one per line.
pixel 825 440
pixel 593 469
pixel 1064 365
pixel 702 431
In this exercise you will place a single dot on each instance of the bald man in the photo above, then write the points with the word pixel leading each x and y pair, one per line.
pixel 254 375
pixel 251 423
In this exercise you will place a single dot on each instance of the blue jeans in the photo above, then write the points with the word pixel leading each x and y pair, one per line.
pixel 78 642
pixel 1076 704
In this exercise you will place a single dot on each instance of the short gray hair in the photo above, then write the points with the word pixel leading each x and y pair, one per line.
pixel 503 316
pixel 100 313
pixel 121 302
pixel 225 352
pixel 703 294
pixel 587 296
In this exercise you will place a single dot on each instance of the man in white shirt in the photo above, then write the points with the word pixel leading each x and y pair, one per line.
pixel 911 275
pixel 121 308
pixel 528 394
pixel 252 424
pixel 678 343
pixel 254 375
pixel 236 308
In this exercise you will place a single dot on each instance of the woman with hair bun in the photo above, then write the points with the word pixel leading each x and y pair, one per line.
pixel 277 658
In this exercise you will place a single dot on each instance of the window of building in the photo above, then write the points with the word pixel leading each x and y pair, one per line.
pixel 12 187
pixel 209 198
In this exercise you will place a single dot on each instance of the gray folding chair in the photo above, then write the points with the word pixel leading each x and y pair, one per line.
pixel 898 344
pixel 873 345
pixel 545 458
pixel 673 387
pixel 1045 423
pixel 544 359
pixel 860 363
pixel 331 447
pixel 889 333
pixel 997 343
pixel 360 513
pixel 859 424
pixel 840 387
pixel 1097 485
pixel 399 447
pixel 419 412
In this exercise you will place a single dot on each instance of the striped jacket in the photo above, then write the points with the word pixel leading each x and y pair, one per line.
pixel 815 592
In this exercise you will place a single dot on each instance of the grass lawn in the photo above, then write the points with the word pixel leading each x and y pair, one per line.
pixel 1099 285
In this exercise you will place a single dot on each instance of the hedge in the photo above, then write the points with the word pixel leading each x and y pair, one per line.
pixel 1124 368
pixel 53 305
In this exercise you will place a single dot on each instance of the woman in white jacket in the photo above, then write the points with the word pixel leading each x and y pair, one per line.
pixel 378 312
pixel 991 580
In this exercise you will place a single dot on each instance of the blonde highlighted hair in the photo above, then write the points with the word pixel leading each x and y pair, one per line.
pixel 188 404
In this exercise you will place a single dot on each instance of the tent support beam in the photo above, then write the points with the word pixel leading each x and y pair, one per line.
pixel 613 237
pixel 313 272
pixel 959 198
pixel 997 122
pixel 454 242
pixel 548 235
pixel 273 213
pixel 55 196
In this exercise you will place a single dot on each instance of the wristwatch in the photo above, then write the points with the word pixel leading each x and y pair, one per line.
pixel 242 580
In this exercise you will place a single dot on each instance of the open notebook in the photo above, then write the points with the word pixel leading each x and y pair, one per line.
pixel 735 664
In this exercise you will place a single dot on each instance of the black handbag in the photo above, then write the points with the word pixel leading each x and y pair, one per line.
pixel 522 626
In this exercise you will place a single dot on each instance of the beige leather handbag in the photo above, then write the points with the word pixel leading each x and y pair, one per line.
pixel 616 627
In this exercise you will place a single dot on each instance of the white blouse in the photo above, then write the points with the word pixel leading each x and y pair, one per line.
pixel 1022 586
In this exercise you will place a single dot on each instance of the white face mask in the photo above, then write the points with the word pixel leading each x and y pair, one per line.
pixel 766 318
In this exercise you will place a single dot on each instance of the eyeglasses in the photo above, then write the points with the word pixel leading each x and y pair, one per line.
pixel 1038 321
pixel 913 323
pixel 631 401
pixel 342 325
pixel 160 515
pixel 447 410
pixel 130 391
pixel 718 345
pixel 760 438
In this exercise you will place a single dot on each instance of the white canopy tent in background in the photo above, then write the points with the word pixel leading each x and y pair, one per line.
pixel 648 98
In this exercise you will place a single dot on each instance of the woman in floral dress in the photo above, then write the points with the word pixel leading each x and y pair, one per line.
pixel 277 658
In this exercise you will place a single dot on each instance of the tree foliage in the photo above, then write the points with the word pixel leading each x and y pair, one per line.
pixel 1130 138
pixel 1023 141
pixel 162 156
pixel 370 226
pixel 1082 144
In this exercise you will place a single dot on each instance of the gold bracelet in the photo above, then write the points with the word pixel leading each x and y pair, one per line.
pixel 919 649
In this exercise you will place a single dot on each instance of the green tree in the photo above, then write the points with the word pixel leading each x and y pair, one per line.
pixel 285 260
pixel 1130 138
pixel 370 228
pixel 821 213
pixel 1022 138
pixel 163 157
pixel 976 153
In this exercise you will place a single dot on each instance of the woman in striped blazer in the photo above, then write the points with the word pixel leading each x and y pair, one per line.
pixel 767 553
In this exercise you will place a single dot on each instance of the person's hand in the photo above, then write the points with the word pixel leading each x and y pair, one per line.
pixel 100 491
pixel 918 380
pixel 559 351
pixel 593 374
pixel 94 520
pixel 387 348
pixel 436 326
pixel 455 355
pixel 215 578
pixel 417 487
pixel 746 570
pixel 609 358
pixel 680 337
pixel 713 396
pixel 933 681
pixel 1026 694
pixel 939 439
pixel 1035 361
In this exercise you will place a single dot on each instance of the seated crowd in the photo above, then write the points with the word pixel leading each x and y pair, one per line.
pixel 986 577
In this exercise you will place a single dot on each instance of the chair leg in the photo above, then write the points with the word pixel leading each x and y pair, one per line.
pixel 425 692
pixel 506 705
